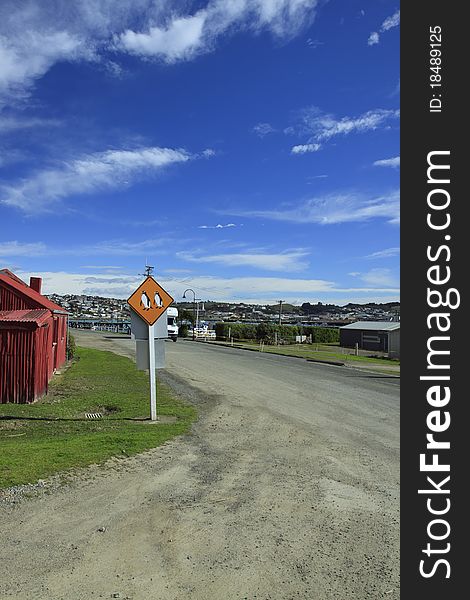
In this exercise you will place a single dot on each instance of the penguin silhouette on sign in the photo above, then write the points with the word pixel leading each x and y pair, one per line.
pixel 158 300
pixel 145 301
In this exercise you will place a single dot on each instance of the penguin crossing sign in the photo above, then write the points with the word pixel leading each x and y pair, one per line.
pixel 150 300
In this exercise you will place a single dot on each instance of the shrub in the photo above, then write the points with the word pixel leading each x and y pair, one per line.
pixel 270 332
pixel 71 346
pixel 183 330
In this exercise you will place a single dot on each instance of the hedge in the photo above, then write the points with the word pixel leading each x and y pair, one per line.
pixel 268 332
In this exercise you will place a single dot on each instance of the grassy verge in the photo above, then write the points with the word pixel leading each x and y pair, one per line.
pixel 53 435
pixel 325 352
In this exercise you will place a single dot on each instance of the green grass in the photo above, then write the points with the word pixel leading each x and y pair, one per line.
pixel 323 352
pixel 53 435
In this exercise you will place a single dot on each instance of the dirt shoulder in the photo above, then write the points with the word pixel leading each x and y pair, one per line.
pixel 252 504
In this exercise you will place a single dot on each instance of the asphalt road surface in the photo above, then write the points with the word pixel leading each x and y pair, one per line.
pixel 287 488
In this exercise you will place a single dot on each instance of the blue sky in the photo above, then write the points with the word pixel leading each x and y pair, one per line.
pixel 248 149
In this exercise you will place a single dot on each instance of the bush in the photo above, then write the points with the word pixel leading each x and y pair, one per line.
pixel 183 330
pixel 322 335
pixel 71 346
pixel 270 332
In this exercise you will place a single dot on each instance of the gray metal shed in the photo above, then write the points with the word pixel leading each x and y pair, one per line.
pixel 383 336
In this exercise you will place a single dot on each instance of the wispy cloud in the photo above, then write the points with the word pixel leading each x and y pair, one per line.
pixel 90 173
pixel 333 209
pixel 9 123
pixel 15 248
pixel 263 129
pixel 184 36
pixel 36 35
pixel 379 278
pixel 320 127
pixel 387 253
pixel 122 247
pixel 105 248
pixel 389 23
pixel 249 289
pixel 388 162
pixel 305 148
pixel 218 226
pixel 98 267
pixel 28 56
pixel 373 39
pixel 324 126
pixel 314 43
pixel 291 260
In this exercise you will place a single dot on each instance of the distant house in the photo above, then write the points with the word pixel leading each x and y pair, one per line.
pixel 383 336
pixel 33 339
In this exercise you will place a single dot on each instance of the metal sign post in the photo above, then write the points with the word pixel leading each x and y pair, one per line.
pixel 153 381
pixel 149 302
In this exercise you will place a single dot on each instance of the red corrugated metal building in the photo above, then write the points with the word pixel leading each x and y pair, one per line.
pixel 33 339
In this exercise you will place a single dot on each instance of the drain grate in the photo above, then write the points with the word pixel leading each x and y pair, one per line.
pixel 93 415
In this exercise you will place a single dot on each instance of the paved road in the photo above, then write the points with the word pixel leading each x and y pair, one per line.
pixel 287 488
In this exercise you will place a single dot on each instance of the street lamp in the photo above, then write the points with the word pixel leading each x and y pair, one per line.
pixel 197 300
pixel 194 309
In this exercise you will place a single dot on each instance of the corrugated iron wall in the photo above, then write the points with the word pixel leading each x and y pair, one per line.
pixel 24 363
pixel 11 301
pixel 61 349
pixel 42 372
pixel 16 365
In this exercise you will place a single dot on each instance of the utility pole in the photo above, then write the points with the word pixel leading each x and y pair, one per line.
pixel 280 311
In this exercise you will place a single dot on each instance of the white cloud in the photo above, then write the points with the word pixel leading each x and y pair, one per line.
pixel 249 289
pixel 291 260
pixel 35 35
pixel 121 248
pixel 26 57
pixel 218 226
pixel 15 248
pixel 263 129
pixel 14 123
pixel 388 162
pixel 304 148
pixel 379 278
pixel 314 43
pixel 323 126
pixel 387 253
pixel 90 173
pixel 389 23
pixel 333 209
pixel 374 38
pixel 98 267
pixel 104 249
pixel 181 39
pixel 184 36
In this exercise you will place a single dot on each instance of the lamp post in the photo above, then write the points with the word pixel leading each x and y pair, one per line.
pixel 197 300
pixel 194 309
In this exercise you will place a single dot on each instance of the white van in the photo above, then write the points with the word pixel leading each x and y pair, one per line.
pixel 172 315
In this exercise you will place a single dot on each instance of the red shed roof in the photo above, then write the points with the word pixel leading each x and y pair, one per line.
pixel 25 290
pixel 37 316
pixel 12 275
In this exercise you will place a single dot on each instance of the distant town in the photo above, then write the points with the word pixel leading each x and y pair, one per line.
pixel 83 307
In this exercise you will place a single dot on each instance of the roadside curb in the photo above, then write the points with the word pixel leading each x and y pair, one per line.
pixel 337 363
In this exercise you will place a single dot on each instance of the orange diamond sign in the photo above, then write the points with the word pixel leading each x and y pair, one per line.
pixel 150 300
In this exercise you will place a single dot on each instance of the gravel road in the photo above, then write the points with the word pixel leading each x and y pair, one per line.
pixel 287 488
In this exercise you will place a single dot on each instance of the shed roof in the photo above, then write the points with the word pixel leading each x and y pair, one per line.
pixel 374 325
pixel 24 290
pixel 10 274
pixel 37 316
